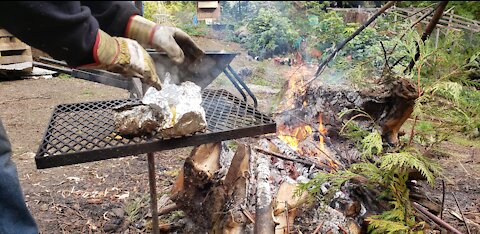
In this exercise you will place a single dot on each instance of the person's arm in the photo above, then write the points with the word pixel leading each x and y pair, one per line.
pixel 178 45
pixel 65 30
pixel 68 31
pixel 112 16
pixel 123 19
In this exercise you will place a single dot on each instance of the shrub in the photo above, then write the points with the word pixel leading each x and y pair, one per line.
pixel 271 33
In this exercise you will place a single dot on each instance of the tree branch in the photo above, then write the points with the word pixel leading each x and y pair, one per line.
pixel 437 15
pixel 358 31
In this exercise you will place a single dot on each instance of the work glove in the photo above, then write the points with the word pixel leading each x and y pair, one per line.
pixel 178 45
pixel 124 56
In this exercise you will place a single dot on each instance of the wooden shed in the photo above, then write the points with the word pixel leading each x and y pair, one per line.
pixel 209 11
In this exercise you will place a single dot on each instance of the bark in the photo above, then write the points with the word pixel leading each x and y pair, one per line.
pixel 264 212
pixel 212 188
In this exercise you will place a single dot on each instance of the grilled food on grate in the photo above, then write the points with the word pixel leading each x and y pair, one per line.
pixel 173 111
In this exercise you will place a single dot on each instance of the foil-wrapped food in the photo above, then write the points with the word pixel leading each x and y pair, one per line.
pixel 171 112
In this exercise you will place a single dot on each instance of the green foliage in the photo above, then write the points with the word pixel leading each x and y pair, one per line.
pixel 410 160
pixel 133 208
pixel 389 171
pixel 271 33
pixel 372 144
pixel 331 181
pixel 429 135
pixel 64 76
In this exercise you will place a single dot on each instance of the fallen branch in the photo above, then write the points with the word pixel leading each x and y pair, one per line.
pixel 443 199
pixel 461 212
pixel 168 209
pixel 318 228
pixel 284 157
pixel 358 31
pixel 435 218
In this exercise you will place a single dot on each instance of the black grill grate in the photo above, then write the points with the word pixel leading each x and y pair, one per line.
pixel 84 132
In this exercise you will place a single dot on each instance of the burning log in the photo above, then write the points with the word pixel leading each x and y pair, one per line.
pixel 238 193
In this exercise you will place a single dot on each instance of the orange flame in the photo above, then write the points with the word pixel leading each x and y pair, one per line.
pixel 295 136
pixel 322 130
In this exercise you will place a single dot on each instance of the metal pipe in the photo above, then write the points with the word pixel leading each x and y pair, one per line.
pixel 255 102
pixel 50 60
pixel 53 68
pixel 153 192
pixel 435 218
pixel 235 84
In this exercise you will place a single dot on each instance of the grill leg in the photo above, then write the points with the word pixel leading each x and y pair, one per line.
pixel 153 192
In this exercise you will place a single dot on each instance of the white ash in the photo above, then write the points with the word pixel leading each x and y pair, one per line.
pixel 331 219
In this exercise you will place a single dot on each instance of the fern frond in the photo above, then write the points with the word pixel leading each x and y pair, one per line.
pixel 372 144
pixel 370 171
pixel 407 160
pixel 447 89
pixel 335 180
pixel 346 111
pixel 385 226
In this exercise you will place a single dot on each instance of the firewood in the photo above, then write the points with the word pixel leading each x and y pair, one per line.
pixel 284 157
pixel 212 188
pixel 264 212
pixel 236 191
pixel 192 190
pixel 286 206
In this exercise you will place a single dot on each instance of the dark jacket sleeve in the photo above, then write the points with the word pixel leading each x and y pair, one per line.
pixel 65 30
pixel 112 16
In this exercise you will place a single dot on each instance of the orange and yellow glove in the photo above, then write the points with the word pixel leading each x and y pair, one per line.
pixel 124 56
pixel 178 45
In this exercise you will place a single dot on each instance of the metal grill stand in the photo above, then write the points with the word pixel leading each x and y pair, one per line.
pixel 84 132
pixel 152 181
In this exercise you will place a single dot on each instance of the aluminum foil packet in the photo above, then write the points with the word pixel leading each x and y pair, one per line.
pixel 176 111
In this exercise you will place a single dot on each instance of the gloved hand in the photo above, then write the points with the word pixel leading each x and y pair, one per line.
pixel 178 45
pixel 124 56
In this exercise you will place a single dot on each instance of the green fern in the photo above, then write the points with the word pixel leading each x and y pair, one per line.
pixel 372 144
pixel 385 226
pixel 335 181
pixel 447 89
pixel 370 171
pixel 407 160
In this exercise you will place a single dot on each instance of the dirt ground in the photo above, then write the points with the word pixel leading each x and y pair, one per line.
pixel 112 195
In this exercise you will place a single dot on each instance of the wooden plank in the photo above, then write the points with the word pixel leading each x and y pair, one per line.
pixel 15 59
pixel 452 25
pixel 13 46
pixel 452 18
pixel 207 4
